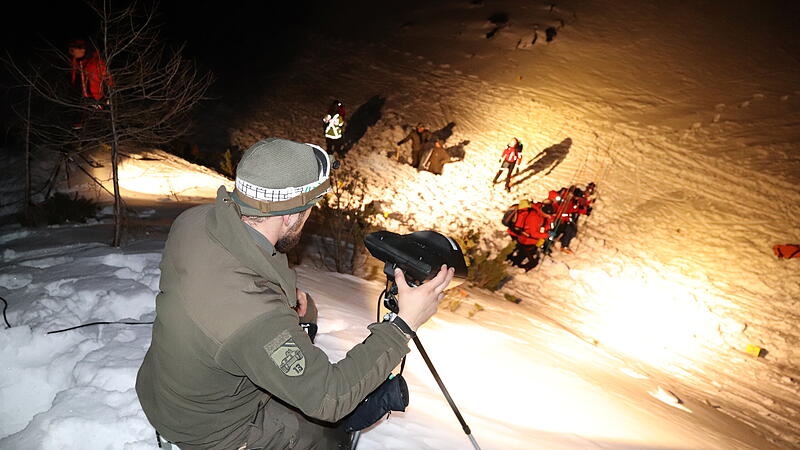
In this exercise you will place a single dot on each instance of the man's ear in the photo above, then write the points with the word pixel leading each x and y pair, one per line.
pixel 290 219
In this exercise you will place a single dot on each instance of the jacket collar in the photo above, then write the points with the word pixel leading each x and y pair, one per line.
pixel 225 226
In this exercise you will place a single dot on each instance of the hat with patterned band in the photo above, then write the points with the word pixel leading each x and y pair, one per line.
pixel 276 177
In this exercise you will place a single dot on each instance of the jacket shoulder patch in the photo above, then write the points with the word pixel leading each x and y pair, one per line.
pixel 285 353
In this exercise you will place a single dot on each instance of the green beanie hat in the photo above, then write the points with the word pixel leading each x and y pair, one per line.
pixel 278 176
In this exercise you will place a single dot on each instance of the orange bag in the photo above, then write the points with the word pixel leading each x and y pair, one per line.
pixel 786 251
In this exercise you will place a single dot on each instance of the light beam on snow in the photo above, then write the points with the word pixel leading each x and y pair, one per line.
pixel 642 313
pixel 493 374
pixel 167 175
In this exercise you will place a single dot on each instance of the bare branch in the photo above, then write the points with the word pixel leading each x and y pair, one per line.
pixel 143 91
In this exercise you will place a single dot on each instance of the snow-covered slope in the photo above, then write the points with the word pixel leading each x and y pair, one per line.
pixel 686 115
pixel 519 377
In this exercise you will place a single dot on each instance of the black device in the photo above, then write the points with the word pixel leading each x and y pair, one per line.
pixel 419 255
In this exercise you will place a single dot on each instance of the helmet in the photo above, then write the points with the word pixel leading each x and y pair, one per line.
pixel 77 43
pixel 547 208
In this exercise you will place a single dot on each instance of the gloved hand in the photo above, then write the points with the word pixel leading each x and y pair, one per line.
pixel 390 396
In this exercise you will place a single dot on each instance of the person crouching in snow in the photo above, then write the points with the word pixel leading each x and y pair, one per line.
pixel 512 155
pixel 230 365
pixel 420 138
pixel 334 127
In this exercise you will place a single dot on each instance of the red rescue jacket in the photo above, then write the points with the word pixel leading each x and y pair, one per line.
pixel 90 75
pixel 512 154
pixel 531 225
pixel 576 205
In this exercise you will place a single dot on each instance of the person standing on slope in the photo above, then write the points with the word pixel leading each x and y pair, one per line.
pixel 334 122
pixel 529 231
pixel 570 203
pixel 512 155
pixel 89 78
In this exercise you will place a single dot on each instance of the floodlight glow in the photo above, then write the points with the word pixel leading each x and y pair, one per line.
pixel 642 313
pixel 169 178
pixel 551 397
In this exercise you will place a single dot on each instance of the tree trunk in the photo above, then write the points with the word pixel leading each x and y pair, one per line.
pixel 28 156
pixel 115 177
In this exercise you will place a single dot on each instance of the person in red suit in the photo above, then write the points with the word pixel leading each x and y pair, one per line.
pixel 89 74
pixel 512 155
pixel 89 77
pixel 570 203
pixel 530 229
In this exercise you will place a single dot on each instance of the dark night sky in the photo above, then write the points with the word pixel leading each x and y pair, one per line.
pixel 238 41
pixel 224 36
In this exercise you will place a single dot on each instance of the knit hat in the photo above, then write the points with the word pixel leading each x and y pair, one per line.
pixel 277 176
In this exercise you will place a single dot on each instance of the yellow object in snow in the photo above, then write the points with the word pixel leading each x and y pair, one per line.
pixel 753 350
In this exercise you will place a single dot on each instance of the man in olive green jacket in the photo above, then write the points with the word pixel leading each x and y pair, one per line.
pixel 229 366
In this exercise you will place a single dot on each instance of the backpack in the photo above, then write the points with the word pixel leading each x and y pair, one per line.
pixel 510 216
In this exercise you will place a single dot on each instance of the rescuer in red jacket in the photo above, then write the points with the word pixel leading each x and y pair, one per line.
pixel 512 155
pixel 570 203
pixel 530 229
pixel 88 75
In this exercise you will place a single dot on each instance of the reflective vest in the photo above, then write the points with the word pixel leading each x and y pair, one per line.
pixel 335 126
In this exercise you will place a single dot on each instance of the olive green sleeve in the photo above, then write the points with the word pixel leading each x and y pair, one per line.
pixel 277 355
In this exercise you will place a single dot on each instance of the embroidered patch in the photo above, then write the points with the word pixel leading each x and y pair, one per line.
pixel 285 353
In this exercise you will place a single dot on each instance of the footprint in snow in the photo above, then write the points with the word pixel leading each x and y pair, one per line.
pixel 633 374
pixel 45 263
pixel 15 281
pixel 669 398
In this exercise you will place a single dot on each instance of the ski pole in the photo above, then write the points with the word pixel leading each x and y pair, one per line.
pixel 390 301
pixel 450 401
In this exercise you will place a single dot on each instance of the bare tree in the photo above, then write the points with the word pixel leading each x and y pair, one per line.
pixel 345 217
pixel 149 89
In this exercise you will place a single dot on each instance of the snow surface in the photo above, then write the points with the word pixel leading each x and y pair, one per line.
pixel 686 115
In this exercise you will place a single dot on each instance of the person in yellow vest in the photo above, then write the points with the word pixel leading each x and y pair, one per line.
pixel 334 127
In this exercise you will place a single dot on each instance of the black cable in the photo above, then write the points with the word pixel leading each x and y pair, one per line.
pixel 380 298
pixel 5 306
pixel 99 323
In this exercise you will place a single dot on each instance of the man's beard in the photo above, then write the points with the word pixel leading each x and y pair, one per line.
pixel 291 238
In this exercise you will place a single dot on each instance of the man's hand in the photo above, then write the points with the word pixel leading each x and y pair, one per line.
pixel 418 304
pixel 302 303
